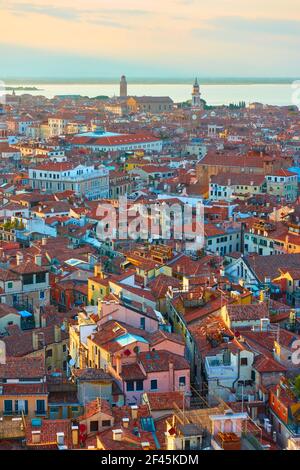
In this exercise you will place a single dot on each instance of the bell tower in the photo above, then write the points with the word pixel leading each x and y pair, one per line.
pixel 123 87
pixel 196 96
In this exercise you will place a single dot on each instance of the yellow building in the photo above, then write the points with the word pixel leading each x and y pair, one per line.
pixel 23 387
pixel 98 286
pixel 133 163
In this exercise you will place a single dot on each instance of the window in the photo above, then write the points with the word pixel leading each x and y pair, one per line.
pixel 27 279
pixel 244 361
pixel 187 444
pixel 10 285
pixel 94 426
pixel 49 353
pixel 106 423
pixel 40 407
pixel 139 385
pixel 40 278
pixel 143 323
pixel 42 295
pixel 279 428
pixel 153 384
pixel 130 386
pixel 182 381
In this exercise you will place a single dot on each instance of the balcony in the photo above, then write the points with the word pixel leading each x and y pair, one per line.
pixel 40 413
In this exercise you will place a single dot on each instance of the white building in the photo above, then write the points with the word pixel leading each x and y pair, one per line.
pixel 227 371
pixel 283 183
pixel 83 180
pixel 113 142
pixel 57 126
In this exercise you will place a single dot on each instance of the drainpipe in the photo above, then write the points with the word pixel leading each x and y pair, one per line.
pixel 239 369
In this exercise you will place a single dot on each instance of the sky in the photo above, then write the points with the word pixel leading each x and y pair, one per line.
pixel 153 38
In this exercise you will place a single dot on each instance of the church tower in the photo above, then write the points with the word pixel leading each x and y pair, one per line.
pixel 196 96
pixel 123 87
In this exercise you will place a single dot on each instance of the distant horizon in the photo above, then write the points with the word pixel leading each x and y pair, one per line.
pixel 213 80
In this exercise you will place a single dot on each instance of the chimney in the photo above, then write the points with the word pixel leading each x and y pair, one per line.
pixel 60 438
pixel 19 258
pixel 35 340
pixel 145 445
pixel 36 437
pixel 134 411
pixel 98 270
pixel 117 434
pixel 44 241
pixel 57 333
pixel 125 422
pixel 171 376
pixel 75 434
pixel 38 260
pixel 118 365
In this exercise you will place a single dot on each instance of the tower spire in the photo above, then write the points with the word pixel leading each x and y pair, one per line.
pixel 196 96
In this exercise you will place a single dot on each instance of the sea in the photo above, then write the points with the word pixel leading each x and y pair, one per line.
pixel 280 94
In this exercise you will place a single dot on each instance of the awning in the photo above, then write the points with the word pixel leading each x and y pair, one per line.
pixel 25 314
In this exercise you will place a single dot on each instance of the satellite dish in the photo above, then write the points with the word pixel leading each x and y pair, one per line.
pixel 72 362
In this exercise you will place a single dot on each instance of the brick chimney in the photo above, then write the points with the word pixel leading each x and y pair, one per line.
pixel 35 340
pixel 57 333
pixel 118 365
pixel 171 376
pixel 75 434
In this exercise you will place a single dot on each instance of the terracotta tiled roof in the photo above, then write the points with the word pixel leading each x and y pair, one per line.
pixel 157 361
pixel 96 406
pixel 267 364
pixel 164 400
pixel 49 429
pixel 132 372
pixel 23 367
pixel 90 374
pixel 247 312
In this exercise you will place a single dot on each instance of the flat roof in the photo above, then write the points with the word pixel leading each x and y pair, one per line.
pixel 98 134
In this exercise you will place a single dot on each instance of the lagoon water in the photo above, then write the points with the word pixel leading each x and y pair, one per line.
pixel 214 94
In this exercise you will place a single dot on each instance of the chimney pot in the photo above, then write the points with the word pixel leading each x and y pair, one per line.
pixel 125 422
pixel 60 437
pixel 134 411
pixel 117 434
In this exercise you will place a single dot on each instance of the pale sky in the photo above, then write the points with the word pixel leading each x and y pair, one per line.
pixel 153 38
